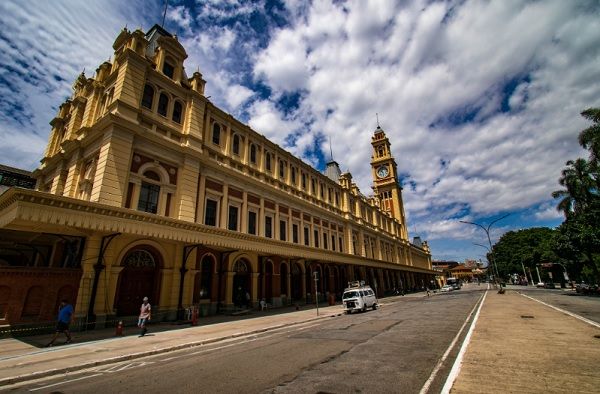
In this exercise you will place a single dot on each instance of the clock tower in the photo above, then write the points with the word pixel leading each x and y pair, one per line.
pixel 385 178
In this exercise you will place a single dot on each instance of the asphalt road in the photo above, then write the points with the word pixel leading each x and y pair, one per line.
pixel 392 349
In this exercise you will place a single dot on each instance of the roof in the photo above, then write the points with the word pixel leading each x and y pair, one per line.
pixel 15 170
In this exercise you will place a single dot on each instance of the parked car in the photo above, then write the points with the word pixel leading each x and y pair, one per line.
pixel 447 288
pixel 549 286
pixel 359 297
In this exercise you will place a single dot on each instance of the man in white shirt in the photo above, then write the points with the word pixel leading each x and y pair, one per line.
pixel 145 315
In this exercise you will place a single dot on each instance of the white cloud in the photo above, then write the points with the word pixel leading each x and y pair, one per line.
pixel 283 63
pixel 480 100
pixel 237 95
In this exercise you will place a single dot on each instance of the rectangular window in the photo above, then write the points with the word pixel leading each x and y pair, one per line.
pixel 303 181
pixel 282 227
pixel 340 244
pixel 233 218
pixel 252 222
pixel 281 169
pixel 295 233
pixel 325 240
pixel 316 238
pixel 210 213
pixel 306 236
pixel 268 227
pixel 333 242
pixel 148 201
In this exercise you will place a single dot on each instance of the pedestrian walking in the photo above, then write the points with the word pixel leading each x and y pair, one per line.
pixel 145 316
pixel 65 316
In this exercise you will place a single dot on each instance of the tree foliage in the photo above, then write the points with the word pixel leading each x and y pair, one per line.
pixel 530 247
pixel 577 239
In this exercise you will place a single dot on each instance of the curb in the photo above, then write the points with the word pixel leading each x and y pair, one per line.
pixel 132 356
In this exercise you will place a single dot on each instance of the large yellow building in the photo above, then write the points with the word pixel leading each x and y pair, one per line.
pixel 148 189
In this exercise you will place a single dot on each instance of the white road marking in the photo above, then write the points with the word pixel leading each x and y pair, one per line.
pixel 66 381
pixel 439 364
pixel 583 319
pixel 459 358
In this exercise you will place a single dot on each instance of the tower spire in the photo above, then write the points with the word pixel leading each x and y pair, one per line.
pixel 377 116
pixel 330 150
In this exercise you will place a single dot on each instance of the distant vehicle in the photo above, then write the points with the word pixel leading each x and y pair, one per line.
pixel 549 286
pixel 540 284
pixel 447 288
pixel 454 282
pixel 358 297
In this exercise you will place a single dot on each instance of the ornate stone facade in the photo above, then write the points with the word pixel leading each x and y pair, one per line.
pixel 170 197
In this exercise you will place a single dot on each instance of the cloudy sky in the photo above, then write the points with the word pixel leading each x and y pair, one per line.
pixel 480 99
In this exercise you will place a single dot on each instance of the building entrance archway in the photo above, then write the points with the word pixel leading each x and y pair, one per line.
pixel 241 283
pixel 139 278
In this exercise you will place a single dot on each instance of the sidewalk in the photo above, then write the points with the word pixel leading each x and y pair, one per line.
pixel 20 360
pixel 509 350
pixel 522 346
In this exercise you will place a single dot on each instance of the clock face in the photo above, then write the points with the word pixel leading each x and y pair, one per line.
pixel 382 172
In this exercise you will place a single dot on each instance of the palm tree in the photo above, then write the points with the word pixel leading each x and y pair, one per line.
pixel 579 184
pixel 590 137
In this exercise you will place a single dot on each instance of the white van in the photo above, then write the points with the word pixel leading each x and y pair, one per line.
pixel 359 297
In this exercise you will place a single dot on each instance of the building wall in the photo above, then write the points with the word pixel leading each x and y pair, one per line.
pixel 140 138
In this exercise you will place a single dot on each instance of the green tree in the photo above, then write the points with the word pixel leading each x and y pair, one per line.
pixel 578 238
pixel 524 248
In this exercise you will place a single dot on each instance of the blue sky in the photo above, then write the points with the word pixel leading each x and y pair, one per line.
pixel 480 100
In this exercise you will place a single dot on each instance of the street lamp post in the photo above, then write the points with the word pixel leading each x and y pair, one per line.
pixel 494 268
pixel 487 232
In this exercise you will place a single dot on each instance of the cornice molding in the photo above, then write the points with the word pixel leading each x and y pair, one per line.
pixel 29 206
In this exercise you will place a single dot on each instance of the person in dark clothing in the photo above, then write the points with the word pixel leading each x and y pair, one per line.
pixel 65 316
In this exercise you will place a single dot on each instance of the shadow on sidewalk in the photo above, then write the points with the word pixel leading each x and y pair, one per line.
pixel 82 336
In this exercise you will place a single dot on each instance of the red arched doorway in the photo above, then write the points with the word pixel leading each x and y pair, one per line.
pixel 268 281
pixel 139 278
pixel 203 280
pixel 296 282
pixel 241 283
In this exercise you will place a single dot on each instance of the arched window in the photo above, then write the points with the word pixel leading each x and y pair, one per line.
pixel 168 68
pixel 281 169
pixel 240 267
pixel 149 193
pixel 268 161
pixel 216 135
pixel 139 258
pixel 177 112
pixel 163 104
pixel 148 97
pixel 152 175
pixel 236 144
pixel 253 153
pixel 293 176
pixel 206 278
